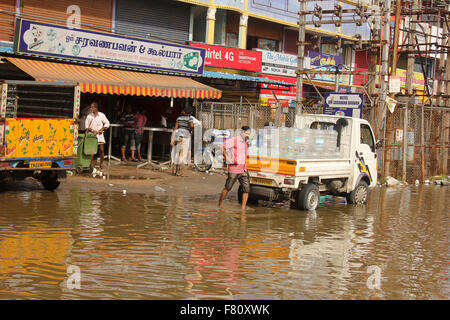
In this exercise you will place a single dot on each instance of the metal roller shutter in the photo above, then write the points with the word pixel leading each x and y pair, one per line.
pixel 153 19
pixel 7 20
pixel 93 12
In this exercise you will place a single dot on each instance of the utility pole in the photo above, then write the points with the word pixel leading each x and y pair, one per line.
pixel 410 77
pixel 373 55
pixel 446 118
pixel 337 78
pixel 301 58
pixel 398 9
pixel 382 107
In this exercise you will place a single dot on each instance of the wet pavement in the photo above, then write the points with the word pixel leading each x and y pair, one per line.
pixel 175 246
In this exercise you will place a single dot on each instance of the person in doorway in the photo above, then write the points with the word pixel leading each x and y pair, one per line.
pixel 235 154
pixel 97 123
pixel 127 119
pixel 181 143
pixel 140 120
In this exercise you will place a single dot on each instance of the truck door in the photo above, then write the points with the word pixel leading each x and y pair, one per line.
pixel 366 153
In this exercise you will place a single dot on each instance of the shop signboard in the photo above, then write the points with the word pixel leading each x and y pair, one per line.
pixel 56 41
pixel 285 95
pixel 344 104
pixel 324 62
pixel 278 63
pixel 231 58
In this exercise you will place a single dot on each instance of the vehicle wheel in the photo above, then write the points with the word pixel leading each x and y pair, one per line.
pixel 206 162
pixel 359 195
pixel 50 180
pixel 308 197
pixel 250 199
pixel 79 169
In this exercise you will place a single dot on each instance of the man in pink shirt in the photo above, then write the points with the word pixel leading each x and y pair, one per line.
pixel 235 154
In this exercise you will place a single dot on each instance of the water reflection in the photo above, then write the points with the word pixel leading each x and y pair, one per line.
pixel 138 246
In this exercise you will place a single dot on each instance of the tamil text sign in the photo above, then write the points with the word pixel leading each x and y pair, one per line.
pixel 44 39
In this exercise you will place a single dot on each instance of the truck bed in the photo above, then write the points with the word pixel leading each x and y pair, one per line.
pixel 325 168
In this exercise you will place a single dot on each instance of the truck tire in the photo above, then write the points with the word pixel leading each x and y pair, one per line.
pixel 308 197
pixel 50 180
pixel 360 194
pixel 250 199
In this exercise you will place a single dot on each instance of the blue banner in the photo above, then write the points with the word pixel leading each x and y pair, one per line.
pixel 344 104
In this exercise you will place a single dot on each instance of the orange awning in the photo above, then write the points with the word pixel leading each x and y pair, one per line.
pixel 111 81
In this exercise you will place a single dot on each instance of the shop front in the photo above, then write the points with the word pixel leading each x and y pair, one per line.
pixel 152 77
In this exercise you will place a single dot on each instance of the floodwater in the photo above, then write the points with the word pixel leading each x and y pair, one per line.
pixel 137 246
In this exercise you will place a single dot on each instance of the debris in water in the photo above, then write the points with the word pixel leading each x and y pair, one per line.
pixel 158 188
pixel 124 192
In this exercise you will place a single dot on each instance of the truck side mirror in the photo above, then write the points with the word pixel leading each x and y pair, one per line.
pixel 379 144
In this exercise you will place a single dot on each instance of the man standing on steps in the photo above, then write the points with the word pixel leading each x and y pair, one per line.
pixel 235 154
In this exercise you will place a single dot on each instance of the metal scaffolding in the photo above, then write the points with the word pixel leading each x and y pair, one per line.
pixel 418 29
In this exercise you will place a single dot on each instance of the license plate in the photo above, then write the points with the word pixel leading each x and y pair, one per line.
pixel 40 164
pixel 266 182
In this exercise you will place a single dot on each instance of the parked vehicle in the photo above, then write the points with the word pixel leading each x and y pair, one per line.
pixel 336 158
pixel 205 157
pixel 38 130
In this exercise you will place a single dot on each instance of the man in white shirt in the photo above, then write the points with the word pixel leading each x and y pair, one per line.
pixel 97 123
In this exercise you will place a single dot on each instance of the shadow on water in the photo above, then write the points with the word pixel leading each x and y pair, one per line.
pixel 139 246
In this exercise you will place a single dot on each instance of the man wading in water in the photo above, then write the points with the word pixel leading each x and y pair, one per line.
pixel 235 155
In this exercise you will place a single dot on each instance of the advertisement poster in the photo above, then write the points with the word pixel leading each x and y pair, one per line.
pixel 37 138
pixel 278 63
pixel 325 62
pixel 231 58
pixel 44 39
pixel 285 95
pixel 344 104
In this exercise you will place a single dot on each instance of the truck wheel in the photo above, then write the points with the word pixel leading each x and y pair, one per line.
pixel 308 197
pixel 359 195
pixel 50 180
pixel 250 199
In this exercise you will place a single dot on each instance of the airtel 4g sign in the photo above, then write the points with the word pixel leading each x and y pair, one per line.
pixel 231 58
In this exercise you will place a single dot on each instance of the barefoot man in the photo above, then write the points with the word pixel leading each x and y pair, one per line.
pixel 97 123
pixel 235 154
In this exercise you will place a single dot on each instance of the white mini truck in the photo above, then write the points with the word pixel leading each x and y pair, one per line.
pixel 303 180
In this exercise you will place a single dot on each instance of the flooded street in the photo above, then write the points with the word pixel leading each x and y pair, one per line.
pixel 147 246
